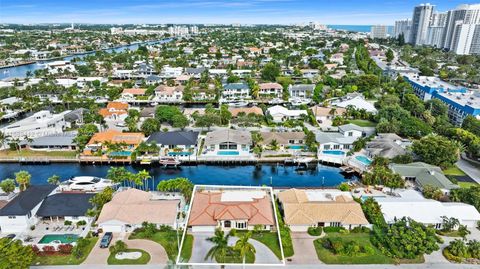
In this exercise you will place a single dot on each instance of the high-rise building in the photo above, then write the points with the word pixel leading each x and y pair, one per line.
pixel 378 31
pixel 403 27
pixel 422 15
pixel 459 25
pixel 436 29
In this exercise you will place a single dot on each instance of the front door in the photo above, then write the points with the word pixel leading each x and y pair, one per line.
pixel 227 224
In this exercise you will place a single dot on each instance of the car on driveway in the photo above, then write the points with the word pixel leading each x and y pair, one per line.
pixel 106 239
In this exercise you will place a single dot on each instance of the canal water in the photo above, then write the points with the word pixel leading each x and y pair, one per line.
pixel 21 71
pixel 248 175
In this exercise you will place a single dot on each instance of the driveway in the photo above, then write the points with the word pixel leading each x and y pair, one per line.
pixel 99 255
pixel 304 249
pixel 201 246
pixel 470 169
pixel 158 255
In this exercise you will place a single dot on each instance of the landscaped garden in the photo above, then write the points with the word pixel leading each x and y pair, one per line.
pixel 120 254
pixel 66 255
pixel 269 239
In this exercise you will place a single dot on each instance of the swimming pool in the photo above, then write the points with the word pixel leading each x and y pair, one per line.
pixel 120 153
pixel 363 159
pixel 333 152
pixel 295 147
pixel 60 238
pixel 228 153
pixel 179 153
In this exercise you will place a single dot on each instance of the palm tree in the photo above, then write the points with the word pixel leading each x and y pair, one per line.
pixel 117 174
pixel 244 247
pixel 3 139
pixel 54 180
pixel 23 179
pixel 220 248
pixel 144 175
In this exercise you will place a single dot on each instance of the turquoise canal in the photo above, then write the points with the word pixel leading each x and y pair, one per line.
pixel 249 175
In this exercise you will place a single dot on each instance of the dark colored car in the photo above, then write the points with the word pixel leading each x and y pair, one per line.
pixel 11 236
pixel 106 239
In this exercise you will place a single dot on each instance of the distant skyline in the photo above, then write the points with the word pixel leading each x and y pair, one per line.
pixel 346 12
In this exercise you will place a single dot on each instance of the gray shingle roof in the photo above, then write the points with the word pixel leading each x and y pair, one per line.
pixel 65 204
pixel 186 138
pixel 26 200
pixel 235 86
pixel 424 174
pixel 54 140
pixel 228 135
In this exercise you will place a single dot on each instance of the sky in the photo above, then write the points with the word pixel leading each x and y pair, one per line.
pixel 343 12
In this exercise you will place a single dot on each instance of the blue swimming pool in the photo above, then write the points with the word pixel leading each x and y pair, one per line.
pixel 363 159
pixel 179 153
pixel 296 147
pixel 120 153
pixel 333 152
pixel 228 153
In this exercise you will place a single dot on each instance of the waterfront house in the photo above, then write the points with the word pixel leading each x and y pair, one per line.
pixel 270 90
pixel 227 208
pixel 20 213
pixel 320 208
pixel 115 111
pixel 281 114
pixel 178 143
pixel 301 91
pixel 354 130
pixel 57 142
pixel 39 124
pixel 236 111
pixel 167 94
pixel 412 204
pixel 228 142
pixel 153 80
pixel 133 94
pixel 128 209
pixel 236 91
pixel 325 115
pixel 387 146
pixel 62 207
pixel 423 174
pixel 284 140
pixel 112 144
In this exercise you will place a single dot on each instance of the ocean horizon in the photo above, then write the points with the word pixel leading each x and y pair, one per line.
pixel 356 28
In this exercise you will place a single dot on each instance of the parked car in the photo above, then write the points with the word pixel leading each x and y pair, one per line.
pixel 106 239
pixel 11 236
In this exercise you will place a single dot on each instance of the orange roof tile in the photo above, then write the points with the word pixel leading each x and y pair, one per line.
pixel 115 136
pixel 135 91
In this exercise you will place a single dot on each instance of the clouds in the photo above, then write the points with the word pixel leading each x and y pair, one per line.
pixel 210 11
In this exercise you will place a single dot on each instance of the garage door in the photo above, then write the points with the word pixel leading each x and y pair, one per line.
pixel 200 229
pixel 112 228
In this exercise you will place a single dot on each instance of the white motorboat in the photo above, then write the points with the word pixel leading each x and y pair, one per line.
pixel 87 184
pixel 276 101
pixel 238 104
pixel 299 102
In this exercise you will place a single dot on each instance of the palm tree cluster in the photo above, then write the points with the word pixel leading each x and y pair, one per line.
pixel 222 251
pixel 130 179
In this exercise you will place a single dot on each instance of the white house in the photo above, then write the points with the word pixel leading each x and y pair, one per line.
pixel 356 101
pixel 281 114
pixel 171 72
pixel 413 205
pixel 237 91
pixel 301 91
pixel 273 90
pixel 20 213
pixel 169 94
pixel 39 124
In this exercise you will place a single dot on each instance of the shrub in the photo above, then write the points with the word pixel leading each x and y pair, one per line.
pixel 344 187
pixel 35 249
pixel 359 229
pixel 67 223
pixel 65 248
pixel 368 250
pixel 333 229
pixel 119 246
pixel 32 227
pixel 80 249
pixel 451 257
pixel 81 223
pixel 315 231
pixel 336 245
pixel 48 250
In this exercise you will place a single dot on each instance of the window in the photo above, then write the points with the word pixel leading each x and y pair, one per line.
pixel 438 225
pixel 350 133
pixel 336 146
pixel 335 224
pixel 12 217
pixel 241 225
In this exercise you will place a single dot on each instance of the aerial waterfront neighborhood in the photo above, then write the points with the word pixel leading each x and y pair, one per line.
pixel 213 145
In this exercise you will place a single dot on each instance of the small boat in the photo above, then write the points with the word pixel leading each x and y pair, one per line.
pixel 87 184
pixel 299 102
pixel 238 104
pixel 169 161
pixel 275 101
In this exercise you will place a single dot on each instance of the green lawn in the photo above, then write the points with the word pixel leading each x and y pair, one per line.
pixel 269 239
pixel 64 259
pixel 32 153
pixel 453 171
pixel 363 123
pixel 467 185
pixel 449 234
pixel 187 247
pixel 144 259
pixel 169 242
pixel 328 257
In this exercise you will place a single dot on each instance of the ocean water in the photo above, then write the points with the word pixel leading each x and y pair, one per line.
pixel 356 28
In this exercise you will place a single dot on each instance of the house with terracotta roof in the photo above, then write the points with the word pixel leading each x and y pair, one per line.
pixel 128 209
pixel 272 90
pixel 245 110
pixel 113 144
pixel 167 94
pixel 241 208
pixel 115 111
pixel 284 140
pixel 133 94
pixel 320 208
pixel 325 115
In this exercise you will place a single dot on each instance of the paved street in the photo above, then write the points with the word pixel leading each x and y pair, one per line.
pixel 469 169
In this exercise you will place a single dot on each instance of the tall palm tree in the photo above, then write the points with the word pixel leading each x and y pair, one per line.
pixel 54 180
pixel 220 248
pixel 244 247
pixel 23 179
pixel 144 175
